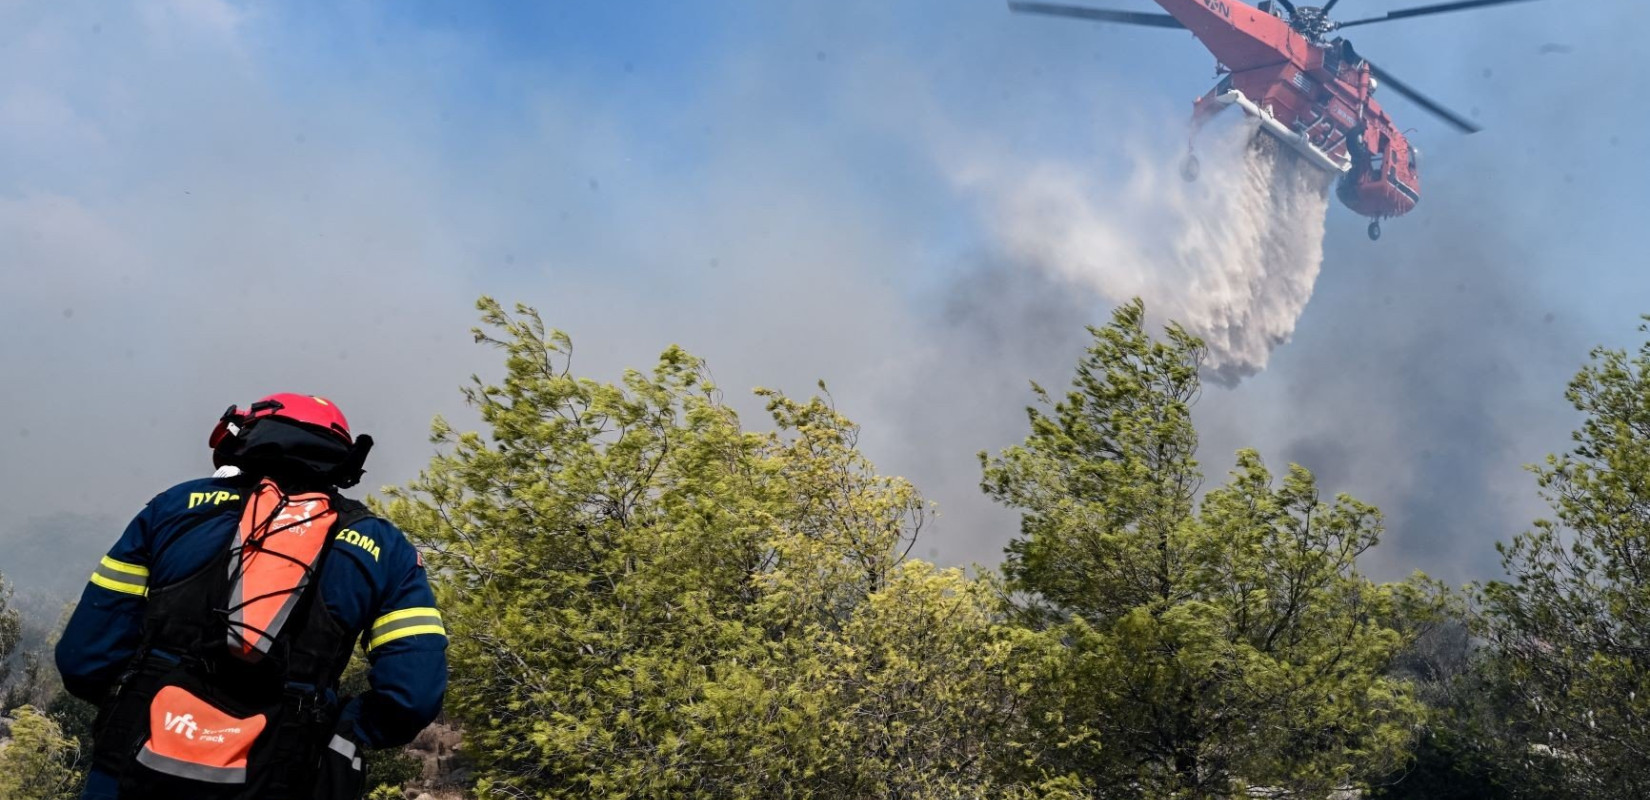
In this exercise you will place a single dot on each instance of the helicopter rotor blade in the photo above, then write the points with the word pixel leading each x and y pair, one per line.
pixel 1096 14
pixel 1329 6
pixel 1461 123
pixel 1422 11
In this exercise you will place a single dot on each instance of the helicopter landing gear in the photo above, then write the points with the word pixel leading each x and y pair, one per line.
pixel 1190 168
pixel 1375 231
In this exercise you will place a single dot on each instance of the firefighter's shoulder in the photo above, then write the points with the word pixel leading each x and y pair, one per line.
pixel 377 541
pixel 200 494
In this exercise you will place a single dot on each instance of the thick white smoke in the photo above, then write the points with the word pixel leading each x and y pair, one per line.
pixel 1232 256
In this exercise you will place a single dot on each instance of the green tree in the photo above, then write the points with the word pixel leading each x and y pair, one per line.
pixel 1573 619
pixel 1213 644
pixel 925 690
pixel 37 764
pixel 647 600
pixel 1473 748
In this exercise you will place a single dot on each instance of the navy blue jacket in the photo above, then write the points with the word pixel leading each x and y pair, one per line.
pixel 374 584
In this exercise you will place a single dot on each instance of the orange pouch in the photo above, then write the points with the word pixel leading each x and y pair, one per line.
pixel 193 739
pixel 279 541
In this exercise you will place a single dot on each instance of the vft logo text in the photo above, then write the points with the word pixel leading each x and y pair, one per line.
pixel 1219 7
pixel 184 724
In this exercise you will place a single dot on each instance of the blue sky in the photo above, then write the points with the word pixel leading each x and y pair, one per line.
pixel 795 191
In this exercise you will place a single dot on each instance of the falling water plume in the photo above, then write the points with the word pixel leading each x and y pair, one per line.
pixel 1232 256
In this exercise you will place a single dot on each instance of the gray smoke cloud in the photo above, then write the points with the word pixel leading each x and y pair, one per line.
pixel 998 326
pixel 1440 377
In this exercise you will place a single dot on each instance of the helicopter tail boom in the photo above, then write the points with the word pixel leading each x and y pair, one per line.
pixel 1239 35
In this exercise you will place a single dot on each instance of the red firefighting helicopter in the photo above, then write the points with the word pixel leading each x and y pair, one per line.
pixel 1312 92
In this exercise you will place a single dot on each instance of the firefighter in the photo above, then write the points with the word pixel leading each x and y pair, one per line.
pixel 213 634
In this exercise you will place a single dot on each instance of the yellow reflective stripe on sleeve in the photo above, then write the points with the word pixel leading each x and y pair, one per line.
pixel 406 622
pixel 129 569
pixel 112 585
pixel 401 632
pixel 397 616
pixel 119 576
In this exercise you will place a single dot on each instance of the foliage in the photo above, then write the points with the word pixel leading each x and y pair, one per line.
pixel 33 685
pixel 75 718
pixel 924 687
pixel 391 769
pixel 1213 644
pixel 1473 748
pixel 646 599
pixel 11 631
pixel 37 764
pixel 1573 619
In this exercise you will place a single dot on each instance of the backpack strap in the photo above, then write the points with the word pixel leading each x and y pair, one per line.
pixel 315 654
pixel 321 646
pixel 349 512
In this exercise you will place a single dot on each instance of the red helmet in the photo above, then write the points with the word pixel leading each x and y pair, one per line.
pixel 305 408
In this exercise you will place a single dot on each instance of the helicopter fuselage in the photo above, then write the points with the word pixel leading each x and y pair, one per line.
pixel 1314 96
